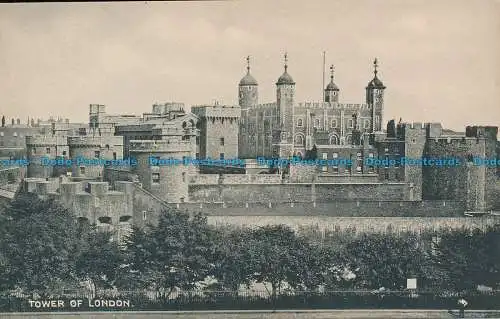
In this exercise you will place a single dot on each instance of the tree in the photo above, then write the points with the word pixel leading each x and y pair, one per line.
pixel 39 244
pixel 232 268
pixel 99 259
pixel 177 253
pixel 386 259
pixel 273 252
pixel 467 258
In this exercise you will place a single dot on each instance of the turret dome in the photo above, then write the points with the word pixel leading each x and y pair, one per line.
pixel 375 83
pixel 248 79
pixel 285 78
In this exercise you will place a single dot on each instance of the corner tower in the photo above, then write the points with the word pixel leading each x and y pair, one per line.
pixel 285 92
pixel 331 90
pixel 375 98
pixel 248 89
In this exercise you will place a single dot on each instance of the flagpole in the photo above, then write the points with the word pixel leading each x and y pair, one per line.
pixel 323 88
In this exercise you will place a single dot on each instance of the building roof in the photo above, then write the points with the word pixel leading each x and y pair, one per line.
pixel 375 83
pixel 248 79
pixel 285 78
pixel 332 86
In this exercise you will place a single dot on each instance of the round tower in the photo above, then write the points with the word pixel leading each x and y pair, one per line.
pixel 331 90
pixel 40 150
pixel 160 167
pixel 89 153
pixel 248 89
pixel 375 97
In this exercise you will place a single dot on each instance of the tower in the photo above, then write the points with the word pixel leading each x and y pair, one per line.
pixel 248 89
pixel 375 98
pixel 331 90
pixel 285 91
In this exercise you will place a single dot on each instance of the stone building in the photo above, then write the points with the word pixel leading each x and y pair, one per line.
pixel 284 128
pixel 364 174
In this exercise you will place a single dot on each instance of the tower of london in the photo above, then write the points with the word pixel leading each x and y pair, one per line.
pixel 128 186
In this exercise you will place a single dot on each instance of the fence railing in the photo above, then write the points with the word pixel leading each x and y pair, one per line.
pixel 245 300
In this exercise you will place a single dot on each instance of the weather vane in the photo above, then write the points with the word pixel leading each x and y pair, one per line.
pixel 375 66
pixel 331 71
pixel 248 63
pixel 286 60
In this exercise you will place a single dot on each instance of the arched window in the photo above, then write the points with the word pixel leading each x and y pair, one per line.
pixel 348 139
pixel 299 140
pixel 367 123
pixel 299 123
pixel 316 123
pixel 334 140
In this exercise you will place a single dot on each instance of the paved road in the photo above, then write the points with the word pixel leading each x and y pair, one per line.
pixel 319 314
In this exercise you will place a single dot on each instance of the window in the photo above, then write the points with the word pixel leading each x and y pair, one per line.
pixel 351 124
pixel 316 123
pixel 82 170
pixel 14 134
pixel 114 155
pixel 348 169
pixel 299 140
pixel 325 155
pixel 47 150
pixel 97 154
pixel 197 140
pixel 324 168
pixel 221 155
pixel 367 124
pixel 64 153
pixel 333 123
pixel 370 155
pixel 156 178
pixel 335 155
pixel 197 155
pixel 299 123
pixel 222 141
pixel 144 215
pixel 183 177
pixel 1 133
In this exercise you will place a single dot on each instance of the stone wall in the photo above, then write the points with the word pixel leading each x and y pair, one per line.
pixel 242 193
pixel 336 208
pixel 360 224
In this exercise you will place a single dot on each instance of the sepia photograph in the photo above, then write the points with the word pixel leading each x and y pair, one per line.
pixel 250 159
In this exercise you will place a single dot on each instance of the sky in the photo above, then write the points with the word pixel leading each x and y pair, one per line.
pixel 440 59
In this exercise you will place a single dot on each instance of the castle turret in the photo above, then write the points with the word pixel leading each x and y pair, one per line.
pixel 160 166
pixel 375 97
pixel 248 89
pixel 331 90
pixel 285 91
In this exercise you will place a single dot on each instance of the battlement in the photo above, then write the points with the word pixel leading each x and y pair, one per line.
pixel 164 108
pixel 215 111
pixel 151 146
pixel 45 140
pixel 345 106
pixel 94 141
pixel 265 105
